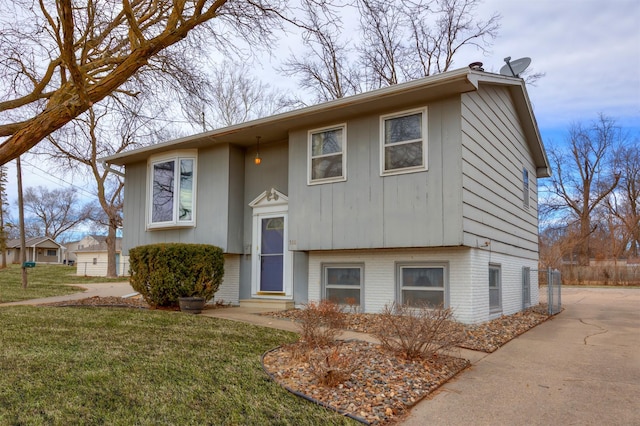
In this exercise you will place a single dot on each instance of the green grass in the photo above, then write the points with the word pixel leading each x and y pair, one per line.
pixel 43 281
pixel 113 366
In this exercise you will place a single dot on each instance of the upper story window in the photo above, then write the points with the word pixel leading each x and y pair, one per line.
pixel 525 187
pixel 172 187
pixel 327 154
pixel 403 142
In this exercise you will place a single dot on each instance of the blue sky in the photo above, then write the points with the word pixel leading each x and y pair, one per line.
pixel 589 50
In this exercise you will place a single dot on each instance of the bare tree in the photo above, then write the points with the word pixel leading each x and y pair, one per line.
pixel 63 56
pixel 117 124
pixel 624 203
pixel 324 68
pixel 54 211
pixel 234 96
pixel 397 41
pixel 584 176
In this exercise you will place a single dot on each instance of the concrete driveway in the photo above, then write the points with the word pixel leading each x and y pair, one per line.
pixel 580 368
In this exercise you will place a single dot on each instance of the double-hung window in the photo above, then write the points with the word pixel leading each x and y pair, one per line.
pixel 403 142
pixel 172 186
pixel 421 285
pixel 343 284
pixel 495 296
pixel 327 154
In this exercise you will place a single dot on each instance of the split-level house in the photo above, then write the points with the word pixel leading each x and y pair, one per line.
pixel 424 191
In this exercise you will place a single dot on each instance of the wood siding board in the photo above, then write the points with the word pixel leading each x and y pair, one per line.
pixel 499 101
pixel 516 217
pixel 493 176
pixel 212 201
pixel 235 226
pixel 498 152
pixel 485 121
pixel 485 224
pixel 273 172
pixel 134 212
pixel 449 189
pixel 494 152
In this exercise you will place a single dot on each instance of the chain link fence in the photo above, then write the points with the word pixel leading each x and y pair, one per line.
pixel 550 290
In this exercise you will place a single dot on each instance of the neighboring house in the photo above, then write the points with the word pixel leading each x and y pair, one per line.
pixel 73 246
pixel 91 260
pixel 38 249
pixel 422 191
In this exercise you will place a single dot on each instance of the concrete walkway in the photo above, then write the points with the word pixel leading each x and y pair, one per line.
pixel 118 289
pixel 580 368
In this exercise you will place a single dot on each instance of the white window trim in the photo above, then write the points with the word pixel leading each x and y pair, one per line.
pixel 360 266
pixel 425 144
pixel 310 133
pixel 191 154
pixel 497 309
pixel 445 277
pixel 526 187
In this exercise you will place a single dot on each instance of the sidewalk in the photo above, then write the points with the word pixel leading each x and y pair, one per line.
pixel 118 289
pixel 581 368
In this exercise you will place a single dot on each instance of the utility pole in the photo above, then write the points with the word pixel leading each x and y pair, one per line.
pixel 23 248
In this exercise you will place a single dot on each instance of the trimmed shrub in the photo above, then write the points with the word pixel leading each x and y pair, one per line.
pixel 320 323
pixel 162 273
pixel 418 332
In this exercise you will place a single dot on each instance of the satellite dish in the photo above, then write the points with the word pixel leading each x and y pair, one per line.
pixel 515 68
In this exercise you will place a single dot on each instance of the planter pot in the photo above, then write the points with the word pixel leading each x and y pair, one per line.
pixel 191 305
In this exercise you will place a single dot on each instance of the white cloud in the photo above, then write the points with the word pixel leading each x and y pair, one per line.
pixel 589 50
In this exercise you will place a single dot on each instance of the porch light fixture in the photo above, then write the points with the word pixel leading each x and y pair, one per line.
pixel 257 160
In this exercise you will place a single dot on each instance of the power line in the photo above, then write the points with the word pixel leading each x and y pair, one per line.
pixel 48 177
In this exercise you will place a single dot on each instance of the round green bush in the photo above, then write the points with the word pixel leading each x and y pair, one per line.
pixel 162 273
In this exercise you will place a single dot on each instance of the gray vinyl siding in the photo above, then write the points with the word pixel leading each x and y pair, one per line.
pixel 271 173
pixel 494 152
pixel 421 209
pixel 213 204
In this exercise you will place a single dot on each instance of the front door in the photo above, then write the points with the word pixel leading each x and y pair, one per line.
pixel 271 254
pixel 271 259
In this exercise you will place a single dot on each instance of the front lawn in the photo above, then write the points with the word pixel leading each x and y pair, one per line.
pixel 43 281
pixel 125 366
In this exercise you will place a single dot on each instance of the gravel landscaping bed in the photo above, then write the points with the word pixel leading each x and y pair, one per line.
pixel 485 337
pixel 381 389
pixel 385 385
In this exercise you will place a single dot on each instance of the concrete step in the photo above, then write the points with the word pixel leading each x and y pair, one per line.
pixel 267 304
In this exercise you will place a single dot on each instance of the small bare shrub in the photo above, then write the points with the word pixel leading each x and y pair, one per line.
pixel 331 365
pixel 320 323
pixel 418 332
pixel 353 305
